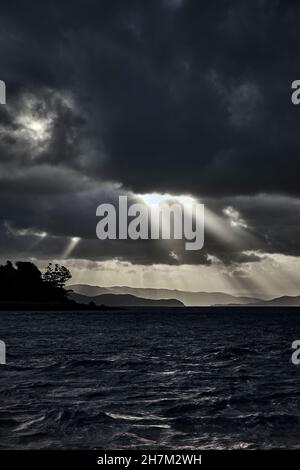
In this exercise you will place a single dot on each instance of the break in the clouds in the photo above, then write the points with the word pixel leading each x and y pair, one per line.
pixel 182 97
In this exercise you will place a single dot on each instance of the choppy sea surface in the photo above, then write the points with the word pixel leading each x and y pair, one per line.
pixel 161 379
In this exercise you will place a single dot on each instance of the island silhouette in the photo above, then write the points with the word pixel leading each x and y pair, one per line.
pixel 24 287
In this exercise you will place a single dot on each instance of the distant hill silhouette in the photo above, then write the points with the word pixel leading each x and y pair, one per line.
pixel 125 300
pixel 284 301
pixel 189 299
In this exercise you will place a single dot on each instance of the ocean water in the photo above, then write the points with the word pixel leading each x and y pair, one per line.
pixel 170 379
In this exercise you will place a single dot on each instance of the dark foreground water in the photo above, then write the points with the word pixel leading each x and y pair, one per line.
pixel 169 379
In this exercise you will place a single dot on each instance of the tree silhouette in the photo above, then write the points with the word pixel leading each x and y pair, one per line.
pixel 57 275
pixel 23 282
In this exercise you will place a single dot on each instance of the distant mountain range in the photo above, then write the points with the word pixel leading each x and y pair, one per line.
pixel 124 300
pixel 140 296
pixel 284 301
pixel 131 296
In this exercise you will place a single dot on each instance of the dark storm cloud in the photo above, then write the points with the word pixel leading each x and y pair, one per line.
pixel 200 91
pixel 273 228
pixel 169 96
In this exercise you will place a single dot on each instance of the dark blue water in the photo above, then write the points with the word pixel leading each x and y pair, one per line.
pixel 170 379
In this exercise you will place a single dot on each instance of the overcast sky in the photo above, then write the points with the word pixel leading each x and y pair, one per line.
pixel 185 97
